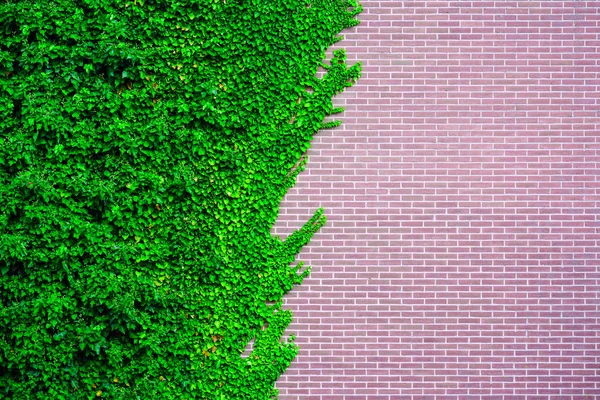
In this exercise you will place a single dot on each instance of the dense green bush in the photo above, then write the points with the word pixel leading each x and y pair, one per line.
pixel 145 147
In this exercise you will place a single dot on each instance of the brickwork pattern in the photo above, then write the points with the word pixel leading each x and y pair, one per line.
pixel 460 259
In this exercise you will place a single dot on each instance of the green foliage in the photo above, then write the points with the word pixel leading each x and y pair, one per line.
pixel 145 147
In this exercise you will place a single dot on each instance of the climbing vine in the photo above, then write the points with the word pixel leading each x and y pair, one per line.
pixel 145 147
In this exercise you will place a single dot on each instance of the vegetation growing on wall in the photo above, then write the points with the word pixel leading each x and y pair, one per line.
pixel 145 147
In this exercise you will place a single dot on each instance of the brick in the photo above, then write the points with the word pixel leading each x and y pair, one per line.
pixel 460 258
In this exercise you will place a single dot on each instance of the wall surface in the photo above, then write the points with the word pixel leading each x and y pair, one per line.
pixel 460 259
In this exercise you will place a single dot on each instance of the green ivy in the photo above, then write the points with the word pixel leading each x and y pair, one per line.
pixel 145 147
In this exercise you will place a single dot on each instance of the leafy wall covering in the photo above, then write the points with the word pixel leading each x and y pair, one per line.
pixel 145 147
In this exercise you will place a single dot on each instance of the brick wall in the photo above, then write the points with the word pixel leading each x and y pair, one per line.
pixel 461 258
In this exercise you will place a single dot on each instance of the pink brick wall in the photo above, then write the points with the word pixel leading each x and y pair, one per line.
pixel 461 257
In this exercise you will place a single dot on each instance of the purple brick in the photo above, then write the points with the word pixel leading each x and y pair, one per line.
pixel 461 255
